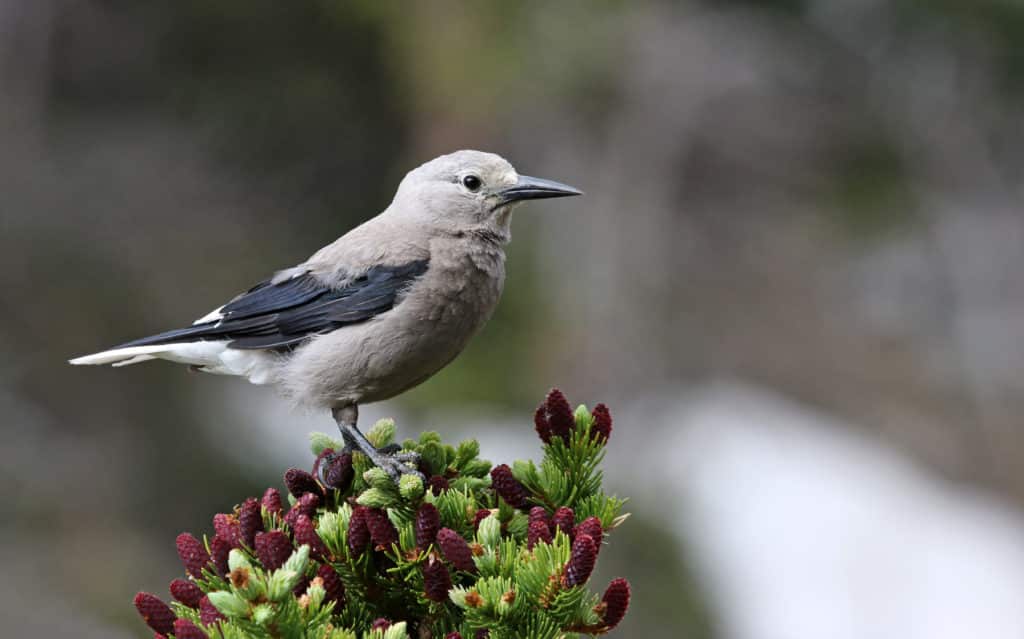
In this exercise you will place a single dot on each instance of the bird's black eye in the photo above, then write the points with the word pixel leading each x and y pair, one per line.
pixel 471 182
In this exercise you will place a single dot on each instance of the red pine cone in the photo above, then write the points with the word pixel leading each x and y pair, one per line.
pixel 339 473
pixel 226 527
pixel 479 516
pixel 437 581
pixel 305 534
pixel 380 623
pixel 428 522
pixel 438 484
pixel 563 520
pixel 155 613
pixel 602 425
pixel 483 633
pixel 332 585
pixel 192 554
pixel 219 550
pixel 186 592
pixel 208 613
pixel 538 531
pixel 185 629
pixel 250 521
pixel 273 549
pixel 299 482
pixel 591 526
pixel 616 602
pixel 582 558
pixel 508 487
pixel 541 425
pixel 272 501
pixel 559 414
pixel 301 587
pixel 453 635
pixel 455 550
pixel 382 531
pixel 539 513
pixel 358 531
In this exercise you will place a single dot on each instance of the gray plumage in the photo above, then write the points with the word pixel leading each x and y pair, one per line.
pixel 376 312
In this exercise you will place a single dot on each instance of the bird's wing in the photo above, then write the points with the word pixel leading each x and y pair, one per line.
pixel 280 314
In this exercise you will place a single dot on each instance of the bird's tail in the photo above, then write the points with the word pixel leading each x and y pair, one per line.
pixel 195 353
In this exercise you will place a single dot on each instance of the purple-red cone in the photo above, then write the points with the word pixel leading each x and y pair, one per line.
pixel 299 482
pixel 582 558
pixel 226 527
pixel 428 522
pixel 438 484
pixel 453 635
pixel 541 425
pixel 563 520
pixel 192 553
pixel 538 513
pixel 591 526
pixel 208 613
pixel 479 516
pixel 380 623
pixel 455 550
pixel 273 549
pixel 508 487
pixel 219 550
pixel 437 581
pixel 186 592
pixel 358 531
pixel 382 531
pixel 559 414
pixel 155 613
pixel 333 586
pixel 250 521
pixel 338 473
pixel 616 602
pixel 537 531
pixel 306 505
pixel 305 534
pixel 272 501
pixel 601 428
pixel 185 629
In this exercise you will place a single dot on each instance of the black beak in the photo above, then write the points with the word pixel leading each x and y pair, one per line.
pixel 531 188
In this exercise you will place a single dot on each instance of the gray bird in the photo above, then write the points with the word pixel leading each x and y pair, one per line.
pixel 377 311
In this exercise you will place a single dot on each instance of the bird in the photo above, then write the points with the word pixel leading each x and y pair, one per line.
pixel 374 313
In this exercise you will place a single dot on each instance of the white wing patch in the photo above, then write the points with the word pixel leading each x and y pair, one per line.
pixel 212 316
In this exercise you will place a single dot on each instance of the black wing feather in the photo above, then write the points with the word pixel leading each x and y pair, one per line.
pixel 280 315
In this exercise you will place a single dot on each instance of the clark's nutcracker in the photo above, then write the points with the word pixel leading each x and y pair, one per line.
pixel 376 312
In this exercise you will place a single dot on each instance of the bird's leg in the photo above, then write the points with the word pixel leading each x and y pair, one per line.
pixel 391 459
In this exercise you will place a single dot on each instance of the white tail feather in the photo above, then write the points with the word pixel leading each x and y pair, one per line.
pixel 212 357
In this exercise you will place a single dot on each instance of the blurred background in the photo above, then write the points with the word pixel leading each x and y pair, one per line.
pixel 795 278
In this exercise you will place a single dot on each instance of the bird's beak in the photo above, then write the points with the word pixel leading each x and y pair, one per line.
pixel 531 188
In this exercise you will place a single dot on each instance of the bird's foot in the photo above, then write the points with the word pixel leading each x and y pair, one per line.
pixel 397 462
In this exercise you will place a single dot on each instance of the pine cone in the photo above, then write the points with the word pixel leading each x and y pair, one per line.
pixel 582 558
pixel 208 613
pixel 538 531
pixel 358 532
pixel 250 521
pixel 226 527
pixel 382 531
pixel 539 513
pixel 299 482
pixel 185 629
pixel 455 550
pixel 508 487
pixel 272 501
pixel 186 592
pixel 616 602
pixel 602 425
pixel 305 534
pixel 563 520
pixel 219 550
pixel 479 516
pixel 541 425
pixel 380 623
pixel 559 414
pixel 437 581
pixel 453 635
pixel 438 484
pixel 428 522
pixel 155 613
pixel 273 549
pixel 192 553
pixel 339 472
pixel 590 526
pixel 332 585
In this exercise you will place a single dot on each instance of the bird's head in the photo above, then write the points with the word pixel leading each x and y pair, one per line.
pixel 469 191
